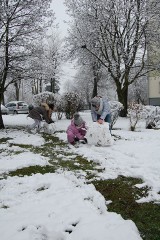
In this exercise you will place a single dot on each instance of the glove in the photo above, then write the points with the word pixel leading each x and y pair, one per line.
pixel 100 121
pixel 51 121
pixel 84 141
pixel 76 139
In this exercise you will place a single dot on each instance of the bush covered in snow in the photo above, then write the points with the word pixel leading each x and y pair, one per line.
pixel 72 103
pixel 67 104
pixel 135 113
pixel 151 114
pixel 116 107
pixel 50 97
pixel 59 106
pixel 43 97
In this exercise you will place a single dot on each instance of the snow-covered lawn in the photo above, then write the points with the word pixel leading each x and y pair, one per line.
pixel 60 206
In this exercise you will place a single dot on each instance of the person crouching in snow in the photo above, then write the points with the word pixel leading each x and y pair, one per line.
pixel 38 114
pixel 49 108
pixel 76 131
pixel 100 110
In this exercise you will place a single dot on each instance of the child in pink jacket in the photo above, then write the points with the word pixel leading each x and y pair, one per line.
pixel 77 130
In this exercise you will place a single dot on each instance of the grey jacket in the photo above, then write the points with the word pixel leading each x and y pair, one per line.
pixel 39 113
pixel 105 110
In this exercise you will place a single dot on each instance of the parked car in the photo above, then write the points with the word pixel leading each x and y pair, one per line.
pixel 4 110
pixel 16 107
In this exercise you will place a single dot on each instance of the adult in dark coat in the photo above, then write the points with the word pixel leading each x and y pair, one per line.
pixel 38 114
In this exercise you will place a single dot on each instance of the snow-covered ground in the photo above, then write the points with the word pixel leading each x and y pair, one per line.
pixel 67 208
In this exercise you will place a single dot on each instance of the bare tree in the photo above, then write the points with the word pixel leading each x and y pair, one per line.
pixel 138 91
pixel 54 58
pixel 20 23
pixel 116 33
pixel 84 84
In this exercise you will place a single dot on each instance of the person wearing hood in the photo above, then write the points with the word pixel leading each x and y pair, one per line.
pixel 38 114
pixel 100 110
pixel 49 107
pixel 77 130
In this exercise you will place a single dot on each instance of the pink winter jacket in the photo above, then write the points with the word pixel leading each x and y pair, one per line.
pixel 74 131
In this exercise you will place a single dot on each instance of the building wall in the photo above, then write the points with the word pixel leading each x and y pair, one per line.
pixel 154 88
pixel 154 76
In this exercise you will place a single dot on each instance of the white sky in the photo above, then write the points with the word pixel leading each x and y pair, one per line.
pixel 67 202
pixel 61 16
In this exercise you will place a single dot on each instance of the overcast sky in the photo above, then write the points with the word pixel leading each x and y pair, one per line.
pixel 61 17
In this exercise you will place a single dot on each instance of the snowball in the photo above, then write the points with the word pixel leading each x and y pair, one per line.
pixel 99 134
pixel 49 128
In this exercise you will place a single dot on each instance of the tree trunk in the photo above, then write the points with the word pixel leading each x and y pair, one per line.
pixel 4 75
pixel 1 119
pixel 95 92
pixel 123 98
pixel 95 87
pixel 17 90
pixel 53 85
pixel 40 85
pixel 37 86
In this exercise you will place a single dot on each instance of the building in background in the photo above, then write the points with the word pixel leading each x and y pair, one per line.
pixel 154 56
pixel 154 76
pixel 154 88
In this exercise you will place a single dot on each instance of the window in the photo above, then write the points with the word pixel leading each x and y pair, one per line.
pixel 20 104
pixel 12 105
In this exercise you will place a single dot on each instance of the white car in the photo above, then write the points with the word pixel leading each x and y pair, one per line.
pixel 4 110
pixel 16 107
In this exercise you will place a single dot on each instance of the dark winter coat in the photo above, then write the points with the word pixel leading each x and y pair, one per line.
pixel 39 113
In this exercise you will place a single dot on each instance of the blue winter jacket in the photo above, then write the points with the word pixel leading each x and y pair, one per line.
pixel 103 113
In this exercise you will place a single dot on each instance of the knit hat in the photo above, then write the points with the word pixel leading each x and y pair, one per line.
pixel 77 119
pixel 95 102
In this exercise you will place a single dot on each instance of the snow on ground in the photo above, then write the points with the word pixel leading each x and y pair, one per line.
pixel 23 138
pixel 136 154
pixel 25 159
pixel 61 207
pixel 66 205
